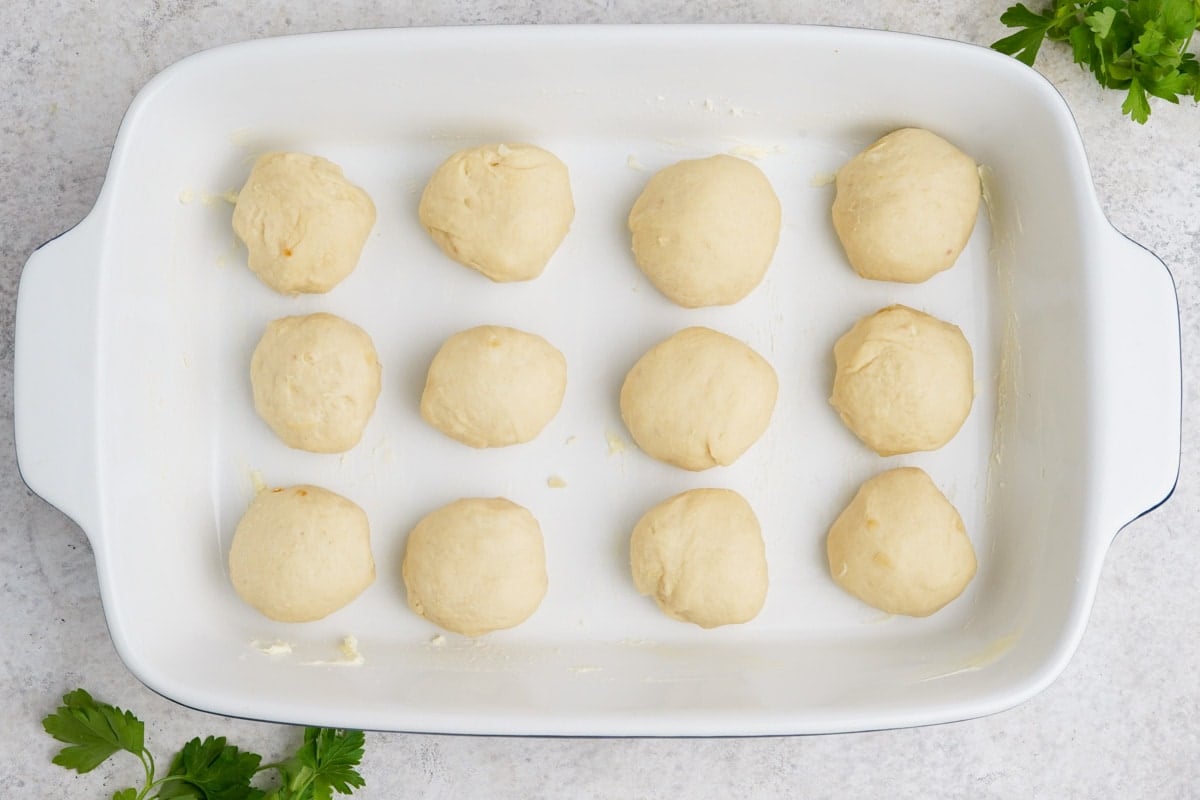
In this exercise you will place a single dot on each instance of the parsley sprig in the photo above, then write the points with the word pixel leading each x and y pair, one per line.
pixel 1139 46
pixel 205 769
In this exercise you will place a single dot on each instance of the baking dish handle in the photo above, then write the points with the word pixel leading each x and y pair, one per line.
pixel 54 372
pixel 1138 388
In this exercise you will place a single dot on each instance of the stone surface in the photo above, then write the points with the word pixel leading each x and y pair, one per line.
pixel 1122 721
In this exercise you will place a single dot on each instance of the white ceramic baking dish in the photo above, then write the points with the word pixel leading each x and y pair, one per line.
pixel 133 411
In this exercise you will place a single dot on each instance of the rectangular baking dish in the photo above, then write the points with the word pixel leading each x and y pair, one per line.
pixel 133 410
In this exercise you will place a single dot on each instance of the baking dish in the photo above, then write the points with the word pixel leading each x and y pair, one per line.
pixel 133 411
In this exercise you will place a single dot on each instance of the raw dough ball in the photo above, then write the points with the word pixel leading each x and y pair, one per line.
pixel 476 566
pixel 301 553
pixel 500 209
pixel 905 380
pixel 302 221
pixel 905 206
pixel 698 399
pixel 900 545
pixel 704 231
pixel 700 555
pixel 315 380
pixel 492 386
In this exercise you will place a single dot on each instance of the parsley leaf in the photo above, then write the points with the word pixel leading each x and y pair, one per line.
pixel 1179 18
pixel 1023 45
pixel 334 754
pixel 1136 104
pixel 92 732
pixel 324 764
pixel 1169 88
pixel 1138 46
pixel 1102 21
pixel 1150 43
pixel 211 770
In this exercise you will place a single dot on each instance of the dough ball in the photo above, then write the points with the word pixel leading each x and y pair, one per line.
pixel 315 380
pixel 905 380
pixel 698 399
pixel 905 206
pixel 700 555
pixel 492 386
pixel 900 545
pixel 704 231
pixel 303 223
pixel 301 553
pixel 475 566
pixel 500 209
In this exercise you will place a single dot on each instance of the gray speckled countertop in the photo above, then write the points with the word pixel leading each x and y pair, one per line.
pixel 1123 720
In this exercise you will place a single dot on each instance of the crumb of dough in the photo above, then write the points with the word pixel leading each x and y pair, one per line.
pixel 278 647
pixel 212 199
pixel 348 655
pixel 555 482
pixel 756 152
pixel 349 650
pixel 616 444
